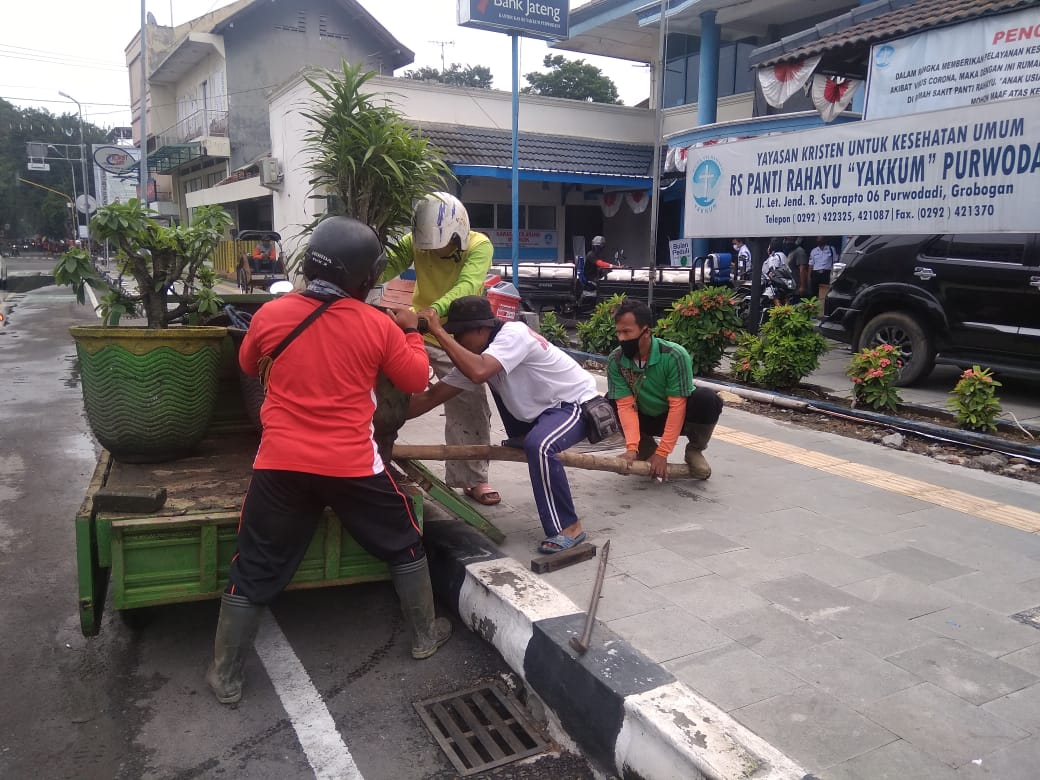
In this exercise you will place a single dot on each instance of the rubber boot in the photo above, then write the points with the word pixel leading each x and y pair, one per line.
pixel 647 447
pixel 236 631
pixel 412 583
pixel 699 436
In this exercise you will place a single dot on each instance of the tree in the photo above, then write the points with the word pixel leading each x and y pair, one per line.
pixel 21 205
pixel 455 75
pixel 572 79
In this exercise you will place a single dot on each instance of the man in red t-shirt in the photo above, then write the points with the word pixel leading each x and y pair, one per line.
pixel 317 449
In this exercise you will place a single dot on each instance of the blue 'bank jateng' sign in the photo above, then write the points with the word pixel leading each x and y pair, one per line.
pixel 532 18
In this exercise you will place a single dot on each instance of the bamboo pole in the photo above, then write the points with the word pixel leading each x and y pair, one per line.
pixel 577 460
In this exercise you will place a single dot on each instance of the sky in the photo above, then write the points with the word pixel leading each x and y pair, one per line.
pixel 76 47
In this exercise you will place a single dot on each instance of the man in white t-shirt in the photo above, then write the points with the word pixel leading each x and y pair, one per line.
pixel 539 386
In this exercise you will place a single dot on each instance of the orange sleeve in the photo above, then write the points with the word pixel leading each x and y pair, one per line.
pixel 629 419
pixel 673 426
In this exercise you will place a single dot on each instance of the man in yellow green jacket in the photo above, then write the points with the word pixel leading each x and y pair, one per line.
pixel 450 261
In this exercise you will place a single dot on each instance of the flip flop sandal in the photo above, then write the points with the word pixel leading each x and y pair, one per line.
pixel 561 541
pixel 483 494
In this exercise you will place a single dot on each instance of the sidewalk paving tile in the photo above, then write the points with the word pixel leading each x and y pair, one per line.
pixel 1021 708
pixel 624 544
pixel 868 519
pixel 897 760
pixel 813 728
pixel 942 724
pixel 834 567
pixel 969 552
pixel 806 597
pixel 735 563
pixel 710 597
pixel 668 633
pixel 856 541
pixel 623 596
pixel 697 543
pixel 1017 762
pixel 848 673
pixel 992 593
pixel 974 676
pixel 1027 658
pixel 901 595
pixel 776 543
pixel 732 676
pixel 990 632
pixel 918 565
pixel 876 630
pixel 659 567
pixel 771 632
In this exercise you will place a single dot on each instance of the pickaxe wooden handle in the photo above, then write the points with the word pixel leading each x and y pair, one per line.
pixel 578 460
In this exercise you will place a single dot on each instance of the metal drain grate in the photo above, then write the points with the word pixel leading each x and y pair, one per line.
pixel 480 728
pixel 1031 617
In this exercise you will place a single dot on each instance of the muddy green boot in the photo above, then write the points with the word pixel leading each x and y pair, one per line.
pixel 647 447
pixel 699 436
pixel 236 631
pixel 412 583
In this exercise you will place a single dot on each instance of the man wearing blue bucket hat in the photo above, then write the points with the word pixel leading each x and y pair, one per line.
pixel 451 261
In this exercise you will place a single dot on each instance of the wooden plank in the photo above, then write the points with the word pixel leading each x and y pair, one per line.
pixel 555 561
pixel 139 500
pixel 449 499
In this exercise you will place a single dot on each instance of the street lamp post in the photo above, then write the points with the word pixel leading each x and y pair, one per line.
pixel 83 168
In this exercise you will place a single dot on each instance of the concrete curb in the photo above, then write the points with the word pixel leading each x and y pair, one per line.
pixel 625 711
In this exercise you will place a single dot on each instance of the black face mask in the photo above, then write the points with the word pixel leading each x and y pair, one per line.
pixel 630 347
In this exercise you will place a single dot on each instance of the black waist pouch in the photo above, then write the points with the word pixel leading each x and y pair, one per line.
pixel 601 421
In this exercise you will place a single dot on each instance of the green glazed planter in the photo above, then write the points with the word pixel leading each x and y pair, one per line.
pixel 149 394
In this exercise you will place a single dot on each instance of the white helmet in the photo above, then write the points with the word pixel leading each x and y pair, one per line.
pixel 599 241
pixel 440 217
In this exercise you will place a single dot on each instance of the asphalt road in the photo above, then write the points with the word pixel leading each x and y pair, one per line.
pixel 132 703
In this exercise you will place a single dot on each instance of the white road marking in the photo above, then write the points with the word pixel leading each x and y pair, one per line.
pixel 324 747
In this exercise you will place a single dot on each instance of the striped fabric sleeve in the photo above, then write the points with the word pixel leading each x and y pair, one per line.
pixel 673 426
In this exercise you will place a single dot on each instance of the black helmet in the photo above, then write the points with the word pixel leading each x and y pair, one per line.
pixel 347 253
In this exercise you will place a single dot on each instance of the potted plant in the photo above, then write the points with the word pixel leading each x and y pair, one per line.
pixel 378 166
pixel 149 391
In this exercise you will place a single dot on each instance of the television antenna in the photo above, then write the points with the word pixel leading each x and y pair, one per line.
pixel 442 44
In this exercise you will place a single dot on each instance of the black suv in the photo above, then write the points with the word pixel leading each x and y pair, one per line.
pixel 957 299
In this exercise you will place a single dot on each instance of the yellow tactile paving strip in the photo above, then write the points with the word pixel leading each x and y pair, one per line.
pixel 984 508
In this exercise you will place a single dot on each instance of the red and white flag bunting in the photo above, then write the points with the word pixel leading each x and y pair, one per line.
pixel 832 94
pixel 782 80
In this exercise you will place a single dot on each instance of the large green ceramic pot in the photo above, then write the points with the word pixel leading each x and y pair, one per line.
pixel 149 394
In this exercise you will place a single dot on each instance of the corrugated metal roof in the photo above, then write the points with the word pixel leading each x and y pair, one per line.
pixel 880 21
pixel 463 145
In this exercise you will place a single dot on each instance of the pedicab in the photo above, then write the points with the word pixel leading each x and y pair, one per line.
pixel 261 261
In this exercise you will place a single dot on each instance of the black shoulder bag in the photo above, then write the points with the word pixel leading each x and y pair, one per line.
pixel 265 362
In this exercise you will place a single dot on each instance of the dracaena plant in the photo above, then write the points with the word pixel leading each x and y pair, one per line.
pixel 167 264
pixel 363 152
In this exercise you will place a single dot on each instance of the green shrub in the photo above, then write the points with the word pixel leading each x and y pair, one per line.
pixel 553 331
pixel 596 334
pixel 786 350
pixel 975 399
pixel 705 322
pixel 873 373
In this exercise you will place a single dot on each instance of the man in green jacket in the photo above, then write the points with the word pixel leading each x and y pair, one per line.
pixel 651 382
pixel 451 261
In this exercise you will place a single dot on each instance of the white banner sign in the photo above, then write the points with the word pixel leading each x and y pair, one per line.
pixel 681 252
pixel 963 170
pixel 529 239
pixel 987 59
